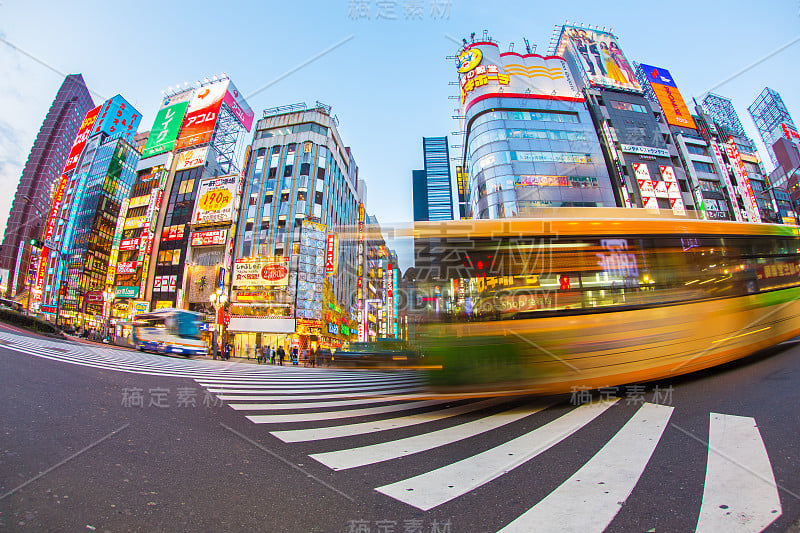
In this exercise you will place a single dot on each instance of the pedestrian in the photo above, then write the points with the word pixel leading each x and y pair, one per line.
pixel 227 351
pixel 281 354
pixel 314 355
pixel 295 355
pixel 264 354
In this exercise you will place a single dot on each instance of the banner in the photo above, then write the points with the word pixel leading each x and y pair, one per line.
pixel 201 115
pixel 215 199
pixel 261 272
pixel 80 140
pixel 165 129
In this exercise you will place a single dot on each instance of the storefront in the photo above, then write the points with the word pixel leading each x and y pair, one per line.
pixel 249 335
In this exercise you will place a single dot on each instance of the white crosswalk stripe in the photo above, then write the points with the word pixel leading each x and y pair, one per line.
pixel 592 497
pixel 739 494
pixel 436 487
pixel 376 453
pixel 322 407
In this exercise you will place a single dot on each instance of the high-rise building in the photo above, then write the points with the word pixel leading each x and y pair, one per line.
pixel 724 115
pixel 772 119
pixel 174 246
pixel 529 141
pixel 295 234
pixel 433 197
pixel 42 170
pixel 639 153
pixel 73 267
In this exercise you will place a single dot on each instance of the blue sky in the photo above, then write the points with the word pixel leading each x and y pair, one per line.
pixel 388 83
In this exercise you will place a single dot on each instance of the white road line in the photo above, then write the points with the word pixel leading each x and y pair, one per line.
pixel 436 487
pixel 592 497
pixel 384 451
pixel 740 494
pixel 337 415
pixel 290 397
pixel 306 405
pixel 349 430
pixel 343 389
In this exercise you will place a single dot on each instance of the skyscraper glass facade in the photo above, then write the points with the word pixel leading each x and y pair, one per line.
pixel 437 171
pixel 769 112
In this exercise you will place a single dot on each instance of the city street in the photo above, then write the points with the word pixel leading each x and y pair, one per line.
pixel 106 439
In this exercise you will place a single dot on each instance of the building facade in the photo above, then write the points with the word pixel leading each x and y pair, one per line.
pixel 72 273
pixel 295 234
pixel 42 171
pixel 772 120
pixel 432 189
pixel 529 141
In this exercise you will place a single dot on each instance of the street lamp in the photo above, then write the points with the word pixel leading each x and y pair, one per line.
pixel 218 299
pixel 108 296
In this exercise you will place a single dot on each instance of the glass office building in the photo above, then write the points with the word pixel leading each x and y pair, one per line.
pixel 529 140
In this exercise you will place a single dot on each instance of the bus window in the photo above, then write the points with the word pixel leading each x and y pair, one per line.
pixel 186 326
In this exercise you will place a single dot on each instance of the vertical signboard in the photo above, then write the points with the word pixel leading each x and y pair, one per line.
pixel 201 115
pixel 741 174
pixel 727 180
pixel 165 129
pixel 649 200
pixel 115 244
pixel 362 312
pixel 668 95
pixel 80 140
pixel 238 106
pixel 673 190
pixel 331 254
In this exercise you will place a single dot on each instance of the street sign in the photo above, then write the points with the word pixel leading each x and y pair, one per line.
pixel 226 319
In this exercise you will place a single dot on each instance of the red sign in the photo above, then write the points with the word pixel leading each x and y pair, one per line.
pixel 129 244
pixel 51 221
pixel 330 255
pixel 274 272
pixel 209 238
pixel 80 140
pixel 226 319
pixel 201 116
pixel 94 297
pixel 127 267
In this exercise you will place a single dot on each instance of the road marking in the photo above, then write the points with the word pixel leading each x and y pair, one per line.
pixel 384 451
pixel 342 389
pixel 436 487
pixel 307 405
pixel 349 430
pixel 336 415
pixel 290 396
pixel 592 497
pixel 740 494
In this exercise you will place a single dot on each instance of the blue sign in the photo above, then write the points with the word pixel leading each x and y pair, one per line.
pixel 333 329
pixel 118 116
pixel 658 75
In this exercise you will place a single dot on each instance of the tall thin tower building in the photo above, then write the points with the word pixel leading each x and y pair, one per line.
pixel 433 197
pixel 46 161
pixel 771 118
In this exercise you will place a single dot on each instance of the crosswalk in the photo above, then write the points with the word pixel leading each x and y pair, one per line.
pixel 323 408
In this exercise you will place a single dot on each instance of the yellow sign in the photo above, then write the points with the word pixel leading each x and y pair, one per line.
pixel 215 199
pixel 135 222
pixel 469 59
pixel 480 77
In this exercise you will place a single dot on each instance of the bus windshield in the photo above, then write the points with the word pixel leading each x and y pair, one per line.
pixel 186 326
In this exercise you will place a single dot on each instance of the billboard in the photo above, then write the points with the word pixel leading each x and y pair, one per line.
pixel 675 110
pixel 238 106
pixel 201 115
pixel 215 199
pixel 331 254
pixel 165 129
pixel 484 70
pixel 80 140
pixel 191 158
pixel 261 272
pixel 599 58
pixel 116 116
pixel 209 238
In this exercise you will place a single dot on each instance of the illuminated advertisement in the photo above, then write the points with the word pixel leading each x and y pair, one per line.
pixel 51 220
pixel 311 270
pixel 599 58
pixel 646 186
pixel 116 116
pixel 116 242
pixel 80 140
pixel 201 115
pixel 261 272
pixel 484 70
pixel 165 129
pixel 331 254
pixel 790 132
pixel 191 158
pixel 675 110
pixel 728 185
pixel 238 106
pixel 215 199
pixel 209 238
pixel 362 319
pixel 127 267
pixel 741 174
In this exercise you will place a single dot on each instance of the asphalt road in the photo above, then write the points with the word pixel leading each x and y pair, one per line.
pixel 218 446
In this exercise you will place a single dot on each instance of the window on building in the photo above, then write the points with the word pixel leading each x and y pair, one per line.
pixel 700 166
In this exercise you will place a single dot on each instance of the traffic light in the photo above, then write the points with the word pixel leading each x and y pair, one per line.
pixel 37 243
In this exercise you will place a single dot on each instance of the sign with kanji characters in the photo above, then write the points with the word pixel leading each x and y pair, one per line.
pixel 118 116
pixel 80 140
pixel 261 272
pixel 215 199
pixel 209 238
pixel 202 114
pixel 331 254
